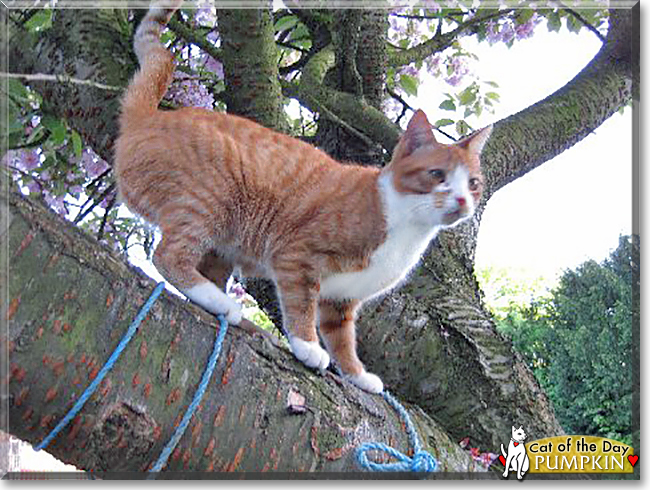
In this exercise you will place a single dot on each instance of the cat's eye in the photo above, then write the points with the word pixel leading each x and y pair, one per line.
pixel 474 184
pixel 437 174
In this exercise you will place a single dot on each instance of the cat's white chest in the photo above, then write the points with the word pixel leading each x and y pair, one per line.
pixel 391 262
pixel 388 266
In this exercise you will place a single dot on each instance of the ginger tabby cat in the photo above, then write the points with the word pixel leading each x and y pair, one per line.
pixel 226 192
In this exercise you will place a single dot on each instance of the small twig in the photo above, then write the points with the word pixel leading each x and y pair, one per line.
pixel 584 21
pixel 398 98
pixel 43 77
pixel 445 133
pixel 95 202
pixel 291 46
pixel 100 233
pixel 182 30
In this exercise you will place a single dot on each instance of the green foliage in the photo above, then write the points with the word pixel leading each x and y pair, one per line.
pixel 578 343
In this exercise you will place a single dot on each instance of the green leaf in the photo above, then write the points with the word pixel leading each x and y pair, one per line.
pixel 17 90
pixel 467 96
pixel 285 23
pixel 493 95
pixel 573 24
pixel 40 21
pixel 57 129
pixel 448 105
pixel 409 84
pixel 462 128
pixel 77 145
pixel 554 22
pixel 443 122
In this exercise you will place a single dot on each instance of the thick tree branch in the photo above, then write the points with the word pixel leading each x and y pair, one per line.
pixel 354 111
pixel 249 56
pixel 70 300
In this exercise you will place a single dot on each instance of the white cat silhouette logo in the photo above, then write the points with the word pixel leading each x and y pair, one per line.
pixel 516 459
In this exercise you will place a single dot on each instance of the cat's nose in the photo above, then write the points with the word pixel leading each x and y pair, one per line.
pixel 461 201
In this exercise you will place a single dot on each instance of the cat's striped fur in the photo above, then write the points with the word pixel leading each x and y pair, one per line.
pixel 227 192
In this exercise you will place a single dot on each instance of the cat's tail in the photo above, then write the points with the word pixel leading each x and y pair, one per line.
pixel 150 83
pixel 505 454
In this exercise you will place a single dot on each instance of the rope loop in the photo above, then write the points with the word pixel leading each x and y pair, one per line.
pixel 422 461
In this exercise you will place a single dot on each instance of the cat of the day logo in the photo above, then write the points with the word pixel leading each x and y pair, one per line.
pixel 566 454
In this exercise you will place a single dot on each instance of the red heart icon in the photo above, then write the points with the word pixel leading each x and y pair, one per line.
pixel 503 460
pixel 632 459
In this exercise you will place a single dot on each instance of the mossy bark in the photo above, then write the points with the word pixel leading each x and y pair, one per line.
pixel 249 57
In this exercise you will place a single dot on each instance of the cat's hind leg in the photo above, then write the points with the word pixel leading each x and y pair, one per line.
pixel 215 268
pixel 177 258
pixel 338 330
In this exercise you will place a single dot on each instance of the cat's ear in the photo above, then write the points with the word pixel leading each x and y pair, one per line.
pixel 418 134
pixel 476 141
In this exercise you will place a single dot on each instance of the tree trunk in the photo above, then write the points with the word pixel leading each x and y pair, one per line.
pixel 69 302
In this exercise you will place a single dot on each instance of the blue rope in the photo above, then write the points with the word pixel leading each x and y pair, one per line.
pixel 92 387
pixel 421 461
pixel 200 391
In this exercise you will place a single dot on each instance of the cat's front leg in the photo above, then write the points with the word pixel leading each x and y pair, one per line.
pixel 298 293
pixel 339 332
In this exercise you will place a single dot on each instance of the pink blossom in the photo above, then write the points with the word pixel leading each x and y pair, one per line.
pixel 93 164
pixel 431 5
pixel 507 32
pixel 188 91
pixel 213 66
pixel 409 70
pixel 57 203
pixel 525 30
pixel 33 187
pixel 27 160
pixel 205 14
pixel 493 35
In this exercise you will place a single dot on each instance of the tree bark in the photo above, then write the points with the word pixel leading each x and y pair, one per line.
pixel 249 57
pixel 69 302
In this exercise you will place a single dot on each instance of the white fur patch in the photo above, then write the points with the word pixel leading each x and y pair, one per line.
pixel 311 354
pixel 208 296
pixel 366 381
pixel 407 239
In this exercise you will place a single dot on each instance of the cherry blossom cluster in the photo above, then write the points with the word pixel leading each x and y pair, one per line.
pixel 507 30
pixel 188 91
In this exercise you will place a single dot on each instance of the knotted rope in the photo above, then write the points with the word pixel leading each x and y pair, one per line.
pixel 422 461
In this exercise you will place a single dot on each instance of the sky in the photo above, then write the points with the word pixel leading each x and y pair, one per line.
pixel 573 207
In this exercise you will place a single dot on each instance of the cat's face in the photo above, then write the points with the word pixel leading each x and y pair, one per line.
pixel 443 183
pixel 518 434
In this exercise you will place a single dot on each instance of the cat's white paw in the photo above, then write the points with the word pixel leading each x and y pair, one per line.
pixel 367 381
pixel 311 354
pixel 209 297
pixel 233 312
